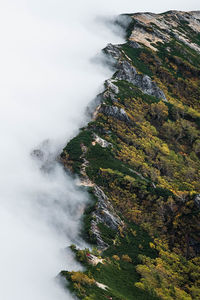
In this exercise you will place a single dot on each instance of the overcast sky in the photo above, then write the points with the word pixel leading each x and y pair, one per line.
pixel 47 78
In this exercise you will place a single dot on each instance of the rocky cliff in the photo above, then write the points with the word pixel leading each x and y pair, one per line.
pixel 139 158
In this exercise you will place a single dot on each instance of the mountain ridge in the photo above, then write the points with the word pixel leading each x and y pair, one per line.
pixel 139 160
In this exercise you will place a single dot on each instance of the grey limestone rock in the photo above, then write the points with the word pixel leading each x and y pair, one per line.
pixel 111 85
pixel 113 51
pixel 115 112
pixel 103 143
pixel 111 90
pixel 126 71
pixel 104 213
pixel 134 44
pixel 144 82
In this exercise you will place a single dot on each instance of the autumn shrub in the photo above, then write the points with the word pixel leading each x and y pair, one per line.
pixel 82 278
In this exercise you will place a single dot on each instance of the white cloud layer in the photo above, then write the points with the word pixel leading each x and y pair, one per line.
pixel 46 80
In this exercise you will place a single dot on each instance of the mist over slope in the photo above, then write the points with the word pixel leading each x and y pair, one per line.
pixel 46 80
pixel 140 158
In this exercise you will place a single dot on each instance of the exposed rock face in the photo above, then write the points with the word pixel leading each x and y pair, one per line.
pixel 110 85
pixel 140 35
pixel 126 71
pixel 113 51
pixel 145 167
pixel 134 44
pixel 97 235
pixel 103 143
pixel 144 82
pixel 111 90
pixel 166 24
pixel 104 213
pixel 114 111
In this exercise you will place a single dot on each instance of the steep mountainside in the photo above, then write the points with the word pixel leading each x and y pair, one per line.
pixel 139 158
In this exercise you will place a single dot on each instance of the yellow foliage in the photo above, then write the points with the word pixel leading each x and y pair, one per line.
pixel 134 232
pixel 126 258
pixel 115 257
pixel 140 285
pixel 159 110
pixel 152 245
pixel 80 277
pixel 165 149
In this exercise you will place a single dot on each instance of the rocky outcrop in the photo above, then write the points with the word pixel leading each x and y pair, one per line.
pixel 103 143
pixel 126 71
pixel 152 28
pixel 146 36
pixel 134 45
pixel 113 51
pixel 144 82
pixel 126 157
pixel 110 84
pixel 97 235
pixel 104 213
pixel 114 111
pixel 111 90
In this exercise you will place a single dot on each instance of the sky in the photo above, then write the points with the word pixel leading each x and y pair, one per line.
pixel 48 76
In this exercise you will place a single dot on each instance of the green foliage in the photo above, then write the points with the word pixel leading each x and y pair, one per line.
pixel 87 218
pixel 118 275
pixel 74 146
pixel 170 276
pixel 127 90
pixel 150 175
pixel 128 243
pixel 135 54
pixel 130 28
pixel 106 159
pixel 107 233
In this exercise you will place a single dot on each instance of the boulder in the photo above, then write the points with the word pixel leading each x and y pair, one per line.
pixel 114 111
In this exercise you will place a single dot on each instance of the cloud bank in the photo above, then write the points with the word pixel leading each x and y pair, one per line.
pixel 47 78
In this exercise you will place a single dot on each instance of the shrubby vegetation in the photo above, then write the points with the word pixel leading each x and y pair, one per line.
pixel 118 270
pixel 151 176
